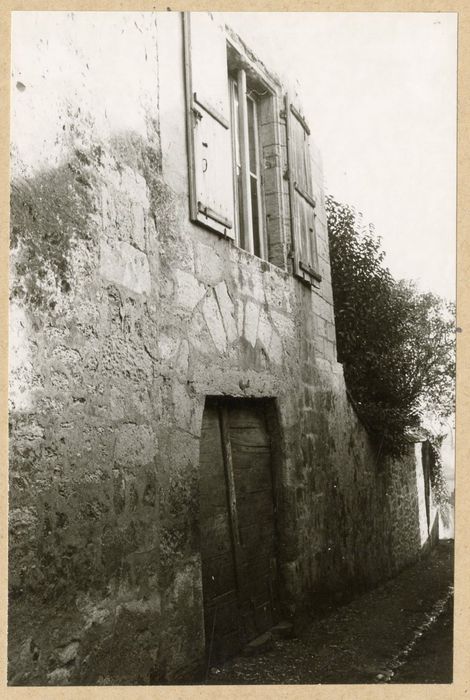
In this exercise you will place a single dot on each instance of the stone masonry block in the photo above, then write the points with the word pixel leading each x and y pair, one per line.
pixel 273 150
pixel 251 283
pixel 277 295
pixel 275 226
pixel 167 345
pixel 251 322
pixel 240 316
pixel 227 309
pixel 322 245
pixel 284 324
pixel 209 266
pixel 331 332
pixel 275 351
pixel 323 309
pixel 330 350
pixel 267 109
pixel 138 228
pixel 273 204
pixel 265 329
pixel 318 343
pixel 270 179
pixel 277 253
pixel 269 133
pixel 189 291
pixel 213 319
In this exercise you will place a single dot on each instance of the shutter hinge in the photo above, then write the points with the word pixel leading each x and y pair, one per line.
pixel 285 174
pixel 283 114
pixel 196 113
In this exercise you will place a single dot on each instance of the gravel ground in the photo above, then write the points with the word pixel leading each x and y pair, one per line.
pixel 400 632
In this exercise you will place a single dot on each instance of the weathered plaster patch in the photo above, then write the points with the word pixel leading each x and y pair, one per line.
pixel 240 316
pixel 211 313
pixel 23 376
pixel 251 322
pixel 123 264
pixel 135 445
pixel 265 329
pixel 183 408
pixel 167 346
pixel 227 310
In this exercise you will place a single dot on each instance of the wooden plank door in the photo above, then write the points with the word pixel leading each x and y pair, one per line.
pixel 238 526
pixel 221 619
pixel 252 470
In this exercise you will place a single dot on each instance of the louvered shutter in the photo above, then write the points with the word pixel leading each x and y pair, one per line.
pixel 302 200
pixel 208 124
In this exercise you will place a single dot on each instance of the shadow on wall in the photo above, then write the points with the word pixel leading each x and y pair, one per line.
pixel 57 208
pixel 102 561
pixel 398 522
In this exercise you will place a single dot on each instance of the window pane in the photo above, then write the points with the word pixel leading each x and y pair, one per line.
pixel 241 228
pixel 236 159
pixel 251 135
pixel 255 216
pixel 236 127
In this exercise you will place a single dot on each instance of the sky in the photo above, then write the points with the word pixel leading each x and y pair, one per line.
pixel 379 93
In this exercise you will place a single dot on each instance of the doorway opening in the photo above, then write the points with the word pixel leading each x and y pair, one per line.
pixel 238 523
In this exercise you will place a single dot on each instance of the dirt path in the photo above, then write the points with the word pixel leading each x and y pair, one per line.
pixel 400 632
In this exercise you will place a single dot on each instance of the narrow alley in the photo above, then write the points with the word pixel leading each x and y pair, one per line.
pixel 400 632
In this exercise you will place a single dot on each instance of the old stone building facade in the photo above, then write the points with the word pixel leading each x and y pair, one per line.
pixel 185 466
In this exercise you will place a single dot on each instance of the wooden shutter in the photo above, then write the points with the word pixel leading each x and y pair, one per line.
pixel 208 124
pixel 302 200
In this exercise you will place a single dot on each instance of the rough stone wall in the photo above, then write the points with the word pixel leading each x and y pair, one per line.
pixel 125 316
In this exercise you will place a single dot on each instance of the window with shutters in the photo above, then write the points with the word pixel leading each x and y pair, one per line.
pixel 237 130
pixel 225 96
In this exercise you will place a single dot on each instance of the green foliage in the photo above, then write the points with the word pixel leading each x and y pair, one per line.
pixel 396 345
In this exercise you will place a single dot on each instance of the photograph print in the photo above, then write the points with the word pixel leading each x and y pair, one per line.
pixel 232 348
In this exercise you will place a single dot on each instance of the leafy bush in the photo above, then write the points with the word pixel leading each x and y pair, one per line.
pixel 396 344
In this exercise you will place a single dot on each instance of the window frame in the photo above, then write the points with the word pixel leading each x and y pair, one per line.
pixel 261 87
pixel 245 235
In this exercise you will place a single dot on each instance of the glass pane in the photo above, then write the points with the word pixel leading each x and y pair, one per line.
pixel 236 127
pixel 255 216
pixel 251 134
pixel 241 228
